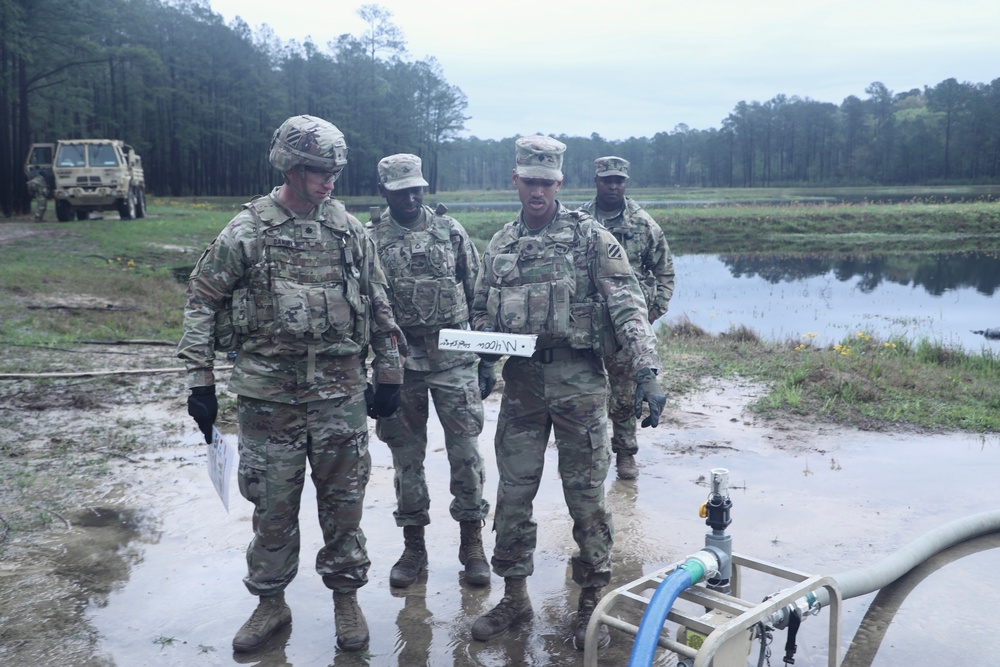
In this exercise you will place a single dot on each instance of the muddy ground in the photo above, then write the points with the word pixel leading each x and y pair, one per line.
pixel 118 551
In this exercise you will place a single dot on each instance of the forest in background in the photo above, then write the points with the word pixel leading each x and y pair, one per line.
pixel 199 99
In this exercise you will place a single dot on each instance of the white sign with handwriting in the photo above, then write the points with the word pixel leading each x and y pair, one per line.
pixel 518 345
pixel 221 457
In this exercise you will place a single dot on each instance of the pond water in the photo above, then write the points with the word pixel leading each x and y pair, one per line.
pixel 943 297
pixel 815 498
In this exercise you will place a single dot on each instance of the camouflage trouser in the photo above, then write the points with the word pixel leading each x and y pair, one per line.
pixel 276 440
pixel 621 403
pixel 456 400
pixel 569 397
pixel 41 203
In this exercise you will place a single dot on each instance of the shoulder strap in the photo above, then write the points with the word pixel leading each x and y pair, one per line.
pixel 259 247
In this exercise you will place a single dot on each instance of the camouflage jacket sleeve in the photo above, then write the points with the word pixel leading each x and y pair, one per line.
pixel 658 265
pixel 386 337
pixel 466 262
pixel 211 283
pixel 616 282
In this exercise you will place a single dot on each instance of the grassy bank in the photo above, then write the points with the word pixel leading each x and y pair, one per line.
pixel 862 380
pixel 110 280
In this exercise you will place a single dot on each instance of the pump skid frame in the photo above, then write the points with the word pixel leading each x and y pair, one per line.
pixel 724 644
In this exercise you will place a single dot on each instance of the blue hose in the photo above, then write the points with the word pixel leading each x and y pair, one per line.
pixel 647 639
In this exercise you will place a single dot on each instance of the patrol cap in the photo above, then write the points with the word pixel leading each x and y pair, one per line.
pixel 400 171
pixel 540 157
pixel 611 165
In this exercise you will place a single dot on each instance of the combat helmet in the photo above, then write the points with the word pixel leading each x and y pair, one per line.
pixel 308 141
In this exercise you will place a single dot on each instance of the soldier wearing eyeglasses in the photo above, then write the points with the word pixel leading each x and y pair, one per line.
pixel 293 286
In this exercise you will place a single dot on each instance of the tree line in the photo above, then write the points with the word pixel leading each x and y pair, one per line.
pixel 199 99
pixel 948 133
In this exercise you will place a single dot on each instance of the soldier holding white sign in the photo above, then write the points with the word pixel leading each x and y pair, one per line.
pixel 559 275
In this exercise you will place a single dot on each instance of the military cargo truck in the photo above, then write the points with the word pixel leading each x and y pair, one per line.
pixel 91 175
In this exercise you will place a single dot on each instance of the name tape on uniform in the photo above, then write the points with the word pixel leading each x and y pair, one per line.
pixel 518 345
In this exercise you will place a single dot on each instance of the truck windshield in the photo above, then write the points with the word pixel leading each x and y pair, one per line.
pixel 103 155
pixel 72 155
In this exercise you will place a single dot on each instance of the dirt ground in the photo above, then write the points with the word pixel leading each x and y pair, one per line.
pixel 116 550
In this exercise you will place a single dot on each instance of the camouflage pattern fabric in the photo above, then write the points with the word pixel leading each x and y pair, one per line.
pixel 653 264
pixel 455 392
pixel 647 250
pixel 567 395
pixel 308 295
pixel 582 264
pixel 621 406
pixel 39 189
pixel 570 398
pixel 432 268
pixel 277 354
pixel 276 440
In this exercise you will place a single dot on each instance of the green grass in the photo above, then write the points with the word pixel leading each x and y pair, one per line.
pixel 142 265
pixel 861 381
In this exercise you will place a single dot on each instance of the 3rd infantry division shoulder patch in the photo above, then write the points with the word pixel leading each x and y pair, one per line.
pixel 614 250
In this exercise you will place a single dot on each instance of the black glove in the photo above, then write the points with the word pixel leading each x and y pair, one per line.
pixel 487 378
pixel 648 389
pixel 385 401
pixel 370 400
pixel 204 407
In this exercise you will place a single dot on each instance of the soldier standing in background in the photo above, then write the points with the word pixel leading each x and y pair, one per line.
pixel 560 275
pixel 38 188
pixel 431 266
pixel 653 266
pixel 294 284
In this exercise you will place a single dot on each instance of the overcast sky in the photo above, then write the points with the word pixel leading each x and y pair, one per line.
pixel 624 68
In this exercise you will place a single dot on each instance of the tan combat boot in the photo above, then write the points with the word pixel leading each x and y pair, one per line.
pixel 514 608
pixel 352 628
pixel 414 559
pixel 271 615
pixel 471 554
pixel 588 601
pixel 627 468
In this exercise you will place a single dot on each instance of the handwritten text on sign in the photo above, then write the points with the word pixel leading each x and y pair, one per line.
pixel 518 345
pixel 221 458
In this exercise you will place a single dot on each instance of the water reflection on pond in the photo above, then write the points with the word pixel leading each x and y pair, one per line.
pixel 941 297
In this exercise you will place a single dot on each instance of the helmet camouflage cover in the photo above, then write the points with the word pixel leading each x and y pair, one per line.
pixel 309 141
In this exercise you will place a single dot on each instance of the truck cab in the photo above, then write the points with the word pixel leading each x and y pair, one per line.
pixel 92 175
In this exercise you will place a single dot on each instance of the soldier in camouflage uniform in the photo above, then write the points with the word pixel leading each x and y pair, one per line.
pixel 294 284
pixel 431 265
pixel 38 188
pixel 651 261
pixel 560 275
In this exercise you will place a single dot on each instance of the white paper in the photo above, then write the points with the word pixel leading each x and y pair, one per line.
pixel 518 345
pixel 221 457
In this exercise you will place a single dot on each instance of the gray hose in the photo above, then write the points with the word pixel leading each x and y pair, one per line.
pixel 873 577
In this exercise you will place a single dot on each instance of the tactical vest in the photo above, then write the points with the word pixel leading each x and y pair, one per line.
pixel 536 287
pixel 420 267
pixel 630 234
pixel 303 293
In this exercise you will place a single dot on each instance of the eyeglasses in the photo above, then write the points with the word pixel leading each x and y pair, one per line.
pixel 326 175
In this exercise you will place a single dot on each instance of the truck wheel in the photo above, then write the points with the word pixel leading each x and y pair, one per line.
pixel 140 204
pixel 64 212
pixel 126 207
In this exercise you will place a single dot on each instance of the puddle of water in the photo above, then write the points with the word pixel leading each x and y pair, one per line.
pixel 942 298
pixel 818 500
